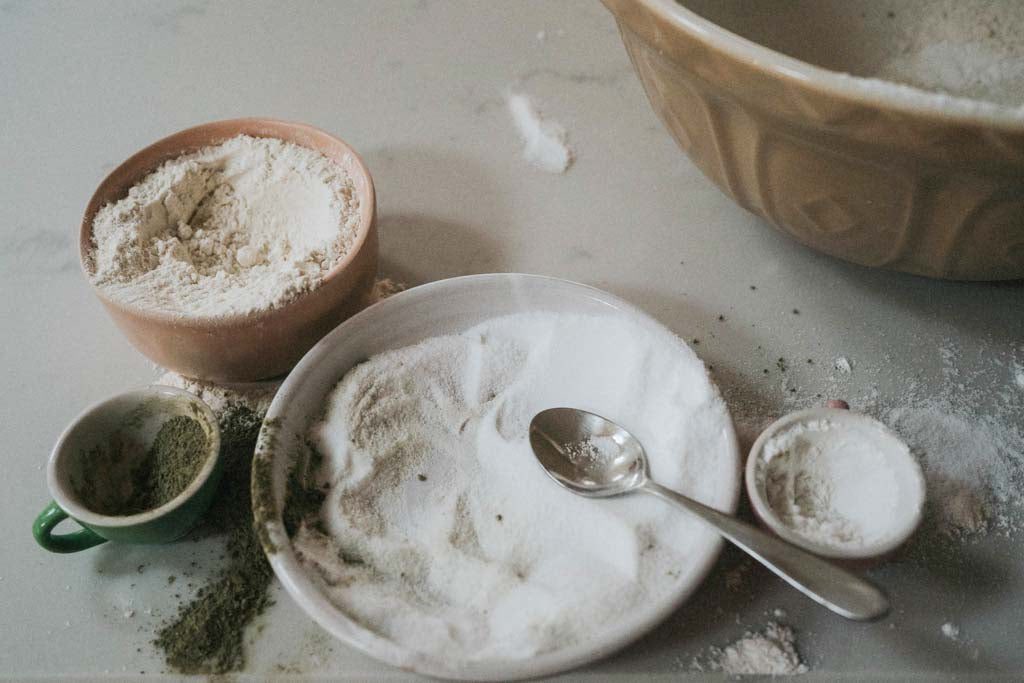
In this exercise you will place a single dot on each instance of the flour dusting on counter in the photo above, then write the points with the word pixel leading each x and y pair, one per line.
pixel 973 464
pixel 440 532
pixel 545 141
pixel 768 652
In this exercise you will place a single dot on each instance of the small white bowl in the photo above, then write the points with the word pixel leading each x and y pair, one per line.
pixel 448 307
pixel 908 502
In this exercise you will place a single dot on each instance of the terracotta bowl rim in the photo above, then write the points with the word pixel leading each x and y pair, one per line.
pixel 367 216
pixel 895 96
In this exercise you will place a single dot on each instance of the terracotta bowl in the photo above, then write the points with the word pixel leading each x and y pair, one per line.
pixel 257 346
pixel 878 174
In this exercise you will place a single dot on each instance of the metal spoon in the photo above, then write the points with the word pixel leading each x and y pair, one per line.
pixel 559 438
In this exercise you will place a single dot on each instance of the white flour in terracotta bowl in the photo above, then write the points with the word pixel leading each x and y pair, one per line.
pixel 231 229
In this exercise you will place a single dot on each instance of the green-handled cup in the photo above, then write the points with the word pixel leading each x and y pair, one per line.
pixel 137 415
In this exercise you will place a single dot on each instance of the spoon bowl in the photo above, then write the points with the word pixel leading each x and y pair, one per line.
pixel 592 456
pixel 588 454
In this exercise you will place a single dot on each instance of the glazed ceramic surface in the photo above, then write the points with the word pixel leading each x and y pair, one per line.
pixel 881 176
pixel 262 345
pixel 447 307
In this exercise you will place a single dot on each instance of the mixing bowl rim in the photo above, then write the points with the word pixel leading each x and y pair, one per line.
pixel 883 94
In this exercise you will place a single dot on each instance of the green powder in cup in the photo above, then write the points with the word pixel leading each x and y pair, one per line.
pixel 116 483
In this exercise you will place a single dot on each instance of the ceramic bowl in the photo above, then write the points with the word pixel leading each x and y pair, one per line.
pixel 261 345
pixel 137 416
pixel 447 307
pixel 877 174
pixel 906 507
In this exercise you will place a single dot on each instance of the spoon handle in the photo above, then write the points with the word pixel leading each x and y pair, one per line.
pixel 841 591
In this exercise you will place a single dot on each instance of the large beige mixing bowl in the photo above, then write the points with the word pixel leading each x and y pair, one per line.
pixel 874 173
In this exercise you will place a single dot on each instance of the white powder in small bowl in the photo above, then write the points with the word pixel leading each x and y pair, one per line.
pixel 232 229
pixel 848 487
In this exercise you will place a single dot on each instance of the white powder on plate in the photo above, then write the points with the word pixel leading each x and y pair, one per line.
pixel 232 229
pixel 443 533
pixel 770 652
pixel 545 141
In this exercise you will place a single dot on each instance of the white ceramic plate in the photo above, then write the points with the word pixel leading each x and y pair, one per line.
pixel 439 308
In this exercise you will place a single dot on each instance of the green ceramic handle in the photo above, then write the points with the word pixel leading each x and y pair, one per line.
pixel 49 518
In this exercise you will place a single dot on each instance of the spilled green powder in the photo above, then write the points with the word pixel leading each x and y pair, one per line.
pixel 303 498
pixel 120 482
pixel 206 636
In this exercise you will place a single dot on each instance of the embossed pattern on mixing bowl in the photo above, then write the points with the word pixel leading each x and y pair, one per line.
pixel 876 184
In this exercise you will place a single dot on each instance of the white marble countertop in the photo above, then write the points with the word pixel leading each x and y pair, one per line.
pixel 418 88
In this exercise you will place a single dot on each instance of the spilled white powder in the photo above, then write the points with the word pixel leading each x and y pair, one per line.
pixel 232 229
pixel 443 533
pixel 835 486
pixel 222 398
pixel 770 652
pixel 385 287
pixel 973 464
pixel 951 631
pixel 545 142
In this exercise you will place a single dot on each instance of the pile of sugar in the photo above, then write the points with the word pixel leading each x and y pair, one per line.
pixel 545 141
pixel 233 229
pixel 440 532
pixel 833 487
pixel 770 652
